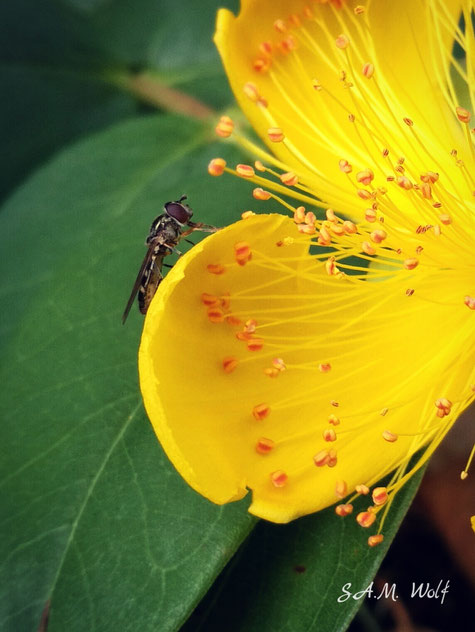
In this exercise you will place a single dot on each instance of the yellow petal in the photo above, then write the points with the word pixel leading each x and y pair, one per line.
pixel 350 116
pixel 364 352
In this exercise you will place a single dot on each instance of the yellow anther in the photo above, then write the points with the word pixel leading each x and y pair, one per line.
pixel 362 489
pixel 247 214
pixel 242 252
pixel 370 215
pixel 279 26
pixel 251 91
pixel 349 227
pixel 374 540
pixel 359 9
pixel 215 314
pixel 216 268
pixel 469 301
pixel 324 367
pixel 259 166
pixel 404 183
pixel 210 300
pixel 378 236
pixel 299 215
pixel 365 177
pixel 445 219
pixel 321 458
pixel 255 344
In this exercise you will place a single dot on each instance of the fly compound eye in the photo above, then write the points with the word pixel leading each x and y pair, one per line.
pixel 178 211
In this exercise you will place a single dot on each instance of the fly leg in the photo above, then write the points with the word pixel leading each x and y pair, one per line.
pixel 205 228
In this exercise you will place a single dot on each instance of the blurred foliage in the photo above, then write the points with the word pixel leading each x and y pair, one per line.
pixel 96 521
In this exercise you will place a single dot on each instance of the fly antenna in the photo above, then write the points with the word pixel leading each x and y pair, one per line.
pixel 183 197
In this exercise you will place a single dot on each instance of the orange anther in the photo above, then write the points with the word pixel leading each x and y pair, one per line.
pixel 362 489
pixel 233 320
pixel 324 367
pixel 225 127
pixel 247 214
pixel 225 301
pixel 349 227
pixel 279 364
pixel 275 134
pixel 324 237
pixel 271 372
pixel 261 411
pixel 266 48
pixel 378 236
pixel 332 460
pixel 368 70
pixel 279 478
pixel 299 215
pixel 329 434
pixel 264 445
pixel 463 115
pixel 337 229
pixel 259 166
pixel 345 166
pixel 380 495
pixel 430 177
pixel 255 344
pixel 370 215
pixel 366 518
pixel 389 436
pixel 469 301
pixel 409 291
pixel 383 412
pixel 409 122
pixel 426 191
pixel 279 26
pixel 310 218
pixel 251 91
pixel 404 183
pixel 411 263
pixel 290 179
pixel 216 268
pixel 242 252
pixel 288 44
pixel 229 364
pixel 209 299
pixel 243 336
pixel 344 510
pixel 342 42
pixel 333 420
pixel 261 65
pixel 445 219
pixel 365 177
pixel 367 248
pixel 260 194
pixel 341 489
pixel 321 458
pixel 359 9
pixel 215 314
pixel 308 13
pixel 246 171
pixel 334 403
pixel 216 167
pixel 364 194
pixel 316 85
pixel 330 215
pixel 250 326
pixel 306 229
pixel 374 540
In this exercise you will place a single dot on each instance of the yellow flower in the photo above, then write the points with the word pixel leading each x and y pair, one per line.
pixel 306 358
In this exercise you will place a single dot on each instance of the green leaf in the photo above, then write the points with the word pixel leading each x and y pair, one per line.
pixel 94 516
pixel 288 578
pixel 64 68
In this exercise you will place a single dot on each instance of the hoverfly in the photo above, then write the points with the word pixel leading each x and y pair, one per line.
pixel 165 232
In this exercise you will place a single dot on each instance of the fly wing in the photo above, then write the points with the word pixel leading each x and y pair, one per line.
pixel 138 281
pixel 151 280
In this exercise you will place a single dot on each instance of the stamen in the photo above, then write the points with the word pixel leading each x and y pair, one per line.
pixel 389 436
pixel 229 364
pixel 216 268
pixel 374 540
pixel 366 518
pixel 344 510
pixel 279 478
pixel 264 445
pixel 246 171
pixel 216 167
pixel 341 489
pixel 225 127
pixel 380 495
pixel 261 411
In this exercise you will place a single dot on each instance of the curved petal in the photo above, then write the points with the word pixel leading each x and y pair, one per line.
pixel 354 359
pixel 329 107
